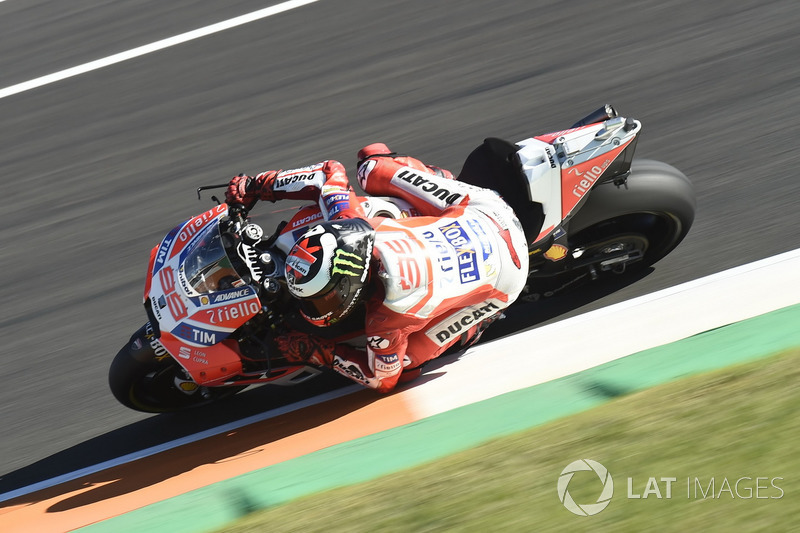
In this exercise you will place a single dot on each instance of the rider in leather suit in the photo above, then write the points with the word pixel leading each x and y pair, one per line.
pixel 428 282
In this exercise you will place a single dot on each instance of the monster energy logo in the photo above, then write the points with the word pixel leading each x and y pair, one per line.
pixel 347 263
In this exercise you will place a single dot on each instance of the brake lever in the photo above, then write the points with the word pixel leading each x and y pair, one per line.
pixel 207 187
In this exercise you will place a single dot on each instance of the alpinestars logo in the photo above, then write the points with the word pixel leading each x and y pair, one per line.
pixel 364 170
pixel 377 343
pixel 347 264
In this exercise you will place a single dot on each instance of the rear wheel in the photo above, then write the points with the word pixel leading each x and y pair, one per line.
pixel 144 377
pixel 649 216
pixel 624 244
pixel 624 229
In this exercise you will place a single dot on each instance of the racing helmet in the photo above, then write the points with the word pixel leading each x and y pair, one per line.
pixel 328 268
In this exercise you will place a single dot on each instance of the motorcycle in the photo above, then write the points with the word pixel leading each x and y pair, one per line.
pixel 216 297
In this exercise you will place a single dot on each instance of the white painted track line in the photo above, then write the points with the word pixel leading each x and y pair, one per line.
pixel 141 454
pixel 153 47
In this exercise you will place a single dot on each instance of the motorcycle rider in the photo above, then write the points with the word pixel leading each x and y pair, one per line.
pixel 428 282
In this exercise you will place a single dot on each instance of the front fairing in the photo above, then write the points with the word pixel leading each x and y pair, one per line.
pixel 198 298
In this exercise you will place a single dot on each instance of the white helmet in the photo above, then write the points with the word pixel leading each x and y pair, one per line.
pixel 328 268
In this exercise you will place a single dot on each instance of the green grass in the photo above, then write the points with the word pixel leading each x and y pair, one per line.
pixel 739 422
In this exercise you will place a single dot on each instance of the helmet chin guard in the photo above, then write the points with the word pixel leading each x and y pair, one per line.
pixel 328 268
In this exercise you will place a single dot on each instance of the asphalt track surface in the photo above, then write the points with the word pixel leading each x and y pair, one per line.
pixel 97 168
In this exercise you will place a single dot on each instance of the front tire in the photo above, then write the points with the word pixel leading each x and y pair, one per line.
pixel 143 377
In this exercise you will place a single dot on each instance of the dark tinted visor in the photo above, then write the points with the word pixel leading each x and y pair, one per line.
pixel 329 305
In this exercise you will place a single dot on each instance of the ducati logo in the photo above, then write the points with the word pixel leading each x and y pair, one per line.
pixel 427 185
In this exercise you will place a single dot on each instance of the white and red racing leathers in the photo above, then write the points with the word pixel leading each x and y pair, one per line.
pixel 443 273
pixel 439 275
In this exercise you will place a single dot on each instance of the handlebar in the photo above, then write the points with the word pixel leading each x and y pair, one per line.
pixel 238 212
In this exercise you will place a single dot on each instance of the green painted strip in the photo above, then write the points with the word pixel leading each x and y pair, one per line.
pixel 212 507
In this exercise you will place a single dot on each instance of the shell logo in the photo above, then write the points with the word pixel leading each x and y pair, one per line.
pixel 557 252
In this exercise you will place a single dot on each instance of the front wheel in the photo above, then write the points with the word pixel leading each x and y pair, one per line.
pixel 144 377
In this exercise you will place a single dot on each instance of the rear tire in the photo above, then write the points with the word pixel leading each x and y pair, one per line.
pixel 651 214
pixel 623 229
pixel 143 379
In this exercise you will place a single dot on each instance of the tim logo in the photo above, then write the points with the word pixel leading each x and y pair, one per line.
pixel 161 256
pixel 195 335
pixel 465 252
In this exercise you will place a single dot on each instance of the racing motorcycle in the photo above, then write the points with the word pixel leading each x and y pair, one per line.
pixel 216 297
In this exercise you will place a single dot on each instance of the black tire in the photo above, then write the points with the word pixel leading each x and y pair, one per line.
pixel 144 380
pixel 649 216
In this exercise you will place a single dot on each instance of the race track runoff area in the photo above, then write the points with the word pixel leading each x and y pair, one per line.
pixel 739 315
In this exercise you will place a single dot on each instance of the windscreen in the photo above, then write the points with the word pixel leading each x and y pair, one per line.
pixel 207 266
